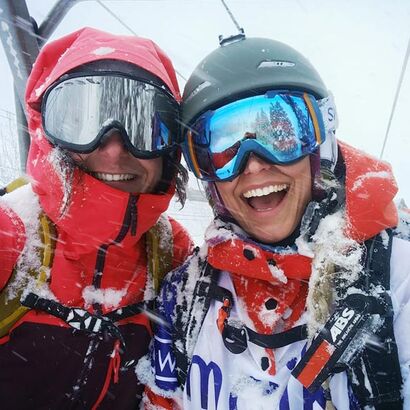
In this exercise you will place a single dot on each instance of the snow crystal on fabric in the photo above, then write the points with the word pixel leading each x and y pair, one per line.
pixel 278 274
pixel 102 51
pixel 146 376
pixel 257 392
pixel 109 297
pixel 403 227
pixel 380 174
pixel 38 91
pixel 336 257
pixel 405 371
pixel 25 204
pixel 57 158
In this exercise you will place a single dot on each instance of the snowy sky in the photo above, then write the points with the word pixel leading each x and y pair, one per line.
pixel 358 47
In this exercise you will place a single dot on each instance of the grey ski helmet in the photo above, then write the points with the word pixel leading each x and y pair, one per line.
pixel 246 67
pixel 242 67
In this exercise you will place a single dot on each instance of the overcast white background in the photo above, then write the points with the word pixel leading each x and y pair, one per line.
pixel 358 47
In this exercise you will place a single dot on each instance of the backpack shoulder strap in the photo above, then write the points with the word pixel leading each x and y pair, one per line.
pixel 375 374
pixel 189 319
pixel 159 242
pixel 11 308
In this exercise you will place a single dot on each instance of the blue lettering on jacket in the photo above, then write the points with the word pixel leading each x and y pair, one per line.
pixel 205 372
pixel 164 362
pixel 310 400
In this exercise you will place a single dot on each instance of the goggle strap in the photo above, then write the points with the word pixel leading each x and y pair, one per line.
pixel 313 115
pixel 329 114
pixel 192 156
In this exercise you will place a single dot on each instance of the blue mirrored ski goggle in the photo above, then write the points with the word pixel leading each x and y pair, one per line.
pixel 280 127
pixel 80 109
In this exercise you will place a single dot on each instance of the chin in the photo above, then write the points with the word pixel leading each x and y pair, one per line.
pixel 270 237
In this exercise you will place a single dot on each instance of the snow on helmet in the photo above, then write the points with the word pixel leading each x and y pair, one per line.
pixel 241 68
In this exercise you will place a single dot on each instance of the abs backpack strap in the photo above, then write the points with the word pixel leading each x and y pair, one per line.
pixel 374 371
pixel 377 369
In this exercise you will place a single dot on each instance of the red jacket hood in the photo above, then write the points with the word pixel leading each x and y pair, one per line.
pixel 87 210
pixel 370 190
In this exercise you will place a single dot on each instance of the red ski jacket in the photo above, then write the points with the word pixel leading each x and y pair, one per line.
pixel 100 258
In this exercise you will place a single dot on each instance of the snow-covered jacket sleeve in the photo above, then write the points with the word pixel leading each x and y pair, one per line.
pixel 162 387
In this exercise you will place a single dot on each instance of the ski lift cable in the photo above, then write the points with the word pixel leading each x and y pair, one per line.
pixel 403 70
pixel 116 17
pixel 127 27
pixel 231 15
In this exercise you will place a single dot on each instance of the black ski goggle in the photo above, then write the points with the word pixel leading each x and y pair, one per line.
pixel 79 110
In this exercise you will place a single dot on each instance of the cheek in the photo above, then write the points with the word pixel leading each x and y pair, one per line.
pixel 79 159
pixel 226 191
pixel 153 168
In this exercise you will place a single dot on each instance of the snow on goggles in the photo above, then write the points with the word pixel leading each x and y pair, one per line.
pixel 79 110
pixel 280 127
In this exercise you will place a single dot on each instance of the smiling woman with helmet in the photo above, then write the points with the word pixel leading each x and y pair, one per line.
pixel 277 309
pixel 84 244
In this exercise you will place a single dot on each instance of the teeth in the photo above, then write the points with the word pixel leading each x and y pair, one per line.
pixel 265 190
pixel 113 177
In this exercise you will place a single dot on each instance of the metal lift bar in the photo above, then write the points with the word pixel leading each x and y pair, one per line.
pixel 22 41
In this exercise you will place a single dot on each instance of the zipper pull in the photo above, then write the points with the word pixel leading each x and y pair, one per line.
pixel 133 215
pixel 116 361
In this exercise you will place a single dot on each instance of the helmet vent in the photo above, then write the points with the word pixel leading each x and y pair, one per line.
pixel 200 87
pixel 274 64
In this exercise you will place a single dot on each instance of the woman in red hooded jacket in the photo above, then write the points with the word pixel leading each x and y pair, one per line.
pixel 102 115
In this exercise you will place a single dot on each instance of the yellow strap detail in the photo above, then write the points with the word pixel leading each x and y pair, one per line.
pixel 8 321
pixel 17 183
pixel 155 262
pixel 159 259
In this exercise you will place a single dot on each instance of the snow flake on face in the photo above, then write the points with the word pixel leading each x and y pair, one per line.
pixel 102 51
pixel 109 298
pixel 362 178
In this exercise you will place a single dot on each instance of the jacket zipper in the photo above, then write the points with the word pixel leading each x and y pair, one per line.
pixel 129 223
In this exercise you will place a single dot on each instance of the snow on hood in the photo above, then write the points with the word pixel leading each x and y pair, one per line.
pixel 88 45
pixel 72 199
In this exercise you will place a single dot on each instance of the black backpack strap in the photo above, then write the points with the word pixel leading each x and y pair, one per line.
pixel 81 319
pixel 378 365
pixel 184 330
